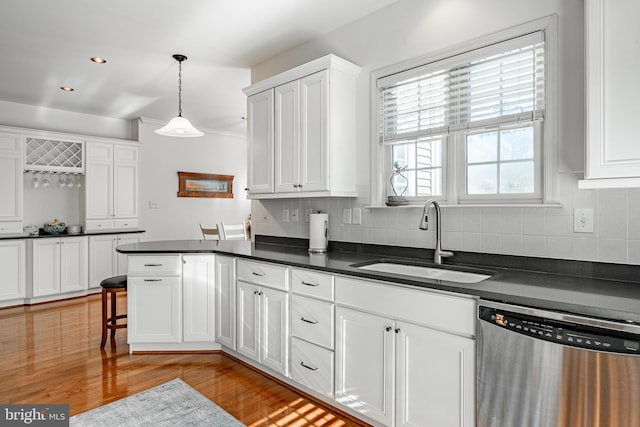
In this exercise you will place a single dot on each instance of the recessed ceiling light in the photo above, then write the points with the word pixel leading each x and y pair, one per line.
pixel 98 60
pixel 67 89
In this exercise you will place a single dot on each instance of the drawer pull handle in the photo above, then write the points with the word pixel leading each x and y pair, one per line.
pixel 310 284
pixel 153 265
pixel 153 280
pixel 308 367
pixel 257 274
pixel 313 322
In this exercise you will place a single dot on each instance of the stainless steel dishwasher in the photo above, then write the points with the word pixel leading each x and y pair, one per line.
pixel 539 368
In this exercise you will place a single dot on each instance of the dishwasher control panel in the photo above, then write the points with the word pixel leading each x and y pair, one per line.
pixel 565 333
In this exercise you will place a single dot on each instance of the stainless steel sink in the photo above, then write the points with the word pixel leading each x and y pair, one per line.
pixel 448 273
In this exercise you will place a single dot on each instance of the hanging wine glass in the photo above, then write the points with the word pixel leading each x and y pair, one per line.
pixel 69 181
pixel 35 182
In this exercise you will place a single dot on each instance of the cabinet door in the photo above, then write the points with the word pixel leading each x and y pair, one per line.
pixel 274 337
pixel 612 67
pixel 198 296
pixel 154 309
pixel 365 363
pixel 225 301
pixel 13 267
pixel 10 178
pixel 313 128
pixel 248 320
pixel 46 267
pixel 435 378
pixel 99 181
pixel 73 264
pixel 125 182
pixel 287 137
pixel 260 142
pixel 102 259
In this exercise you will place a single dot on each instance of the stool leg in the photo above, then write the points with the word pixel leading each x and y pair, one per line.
pixel 114 319
pixel 104 318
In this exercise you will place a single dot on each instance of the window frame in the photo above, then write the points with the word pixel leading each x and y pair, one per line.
pixel 453 177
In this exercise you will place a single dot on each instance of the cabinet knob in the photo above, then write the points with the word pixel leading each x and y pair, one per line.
pixel 246 188
pixel 388 328
pixel 397 330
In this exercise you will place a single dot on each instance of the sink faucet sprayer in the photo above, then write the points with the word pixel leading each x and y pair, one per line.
pixel 438 253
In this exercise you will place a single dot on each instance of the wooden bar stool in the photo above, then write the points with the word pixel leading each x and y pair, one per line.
pixel 112 286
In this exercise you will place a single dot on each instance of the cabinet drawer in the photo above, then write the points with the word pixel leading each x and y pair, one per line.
pixel 260 273
pixel 11 227
pixel 123 224
pixel 437 310
pixel 154 265
pixel 312 283
pixel 312 366
pixel 98 225
pixel 312 320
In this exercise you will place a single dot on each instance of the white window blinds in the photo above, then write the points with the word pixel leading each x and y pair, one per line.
pixel 498 84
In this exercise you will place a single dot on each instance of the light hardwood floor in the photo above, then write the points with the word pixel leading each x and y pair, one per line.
pixel 49 353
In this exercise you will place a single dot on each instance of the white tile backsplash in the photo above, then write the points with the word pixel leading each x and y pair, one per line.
pixel 529 231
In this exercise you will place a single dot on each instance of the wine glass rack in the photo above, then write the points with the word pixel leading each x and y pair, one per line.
pixel 45 155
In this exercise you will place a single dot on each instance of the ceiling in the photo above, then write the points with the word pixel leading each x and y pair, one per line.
pixel 47 44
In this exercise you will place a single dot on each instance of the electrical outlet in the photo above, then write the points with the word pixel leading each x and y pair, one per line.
pixel 285 215
pixel 265 219
pixel 294 215
pixel 583 220
pixel 346 216
pixel 356 216
pixel 307 214
pixel 153 204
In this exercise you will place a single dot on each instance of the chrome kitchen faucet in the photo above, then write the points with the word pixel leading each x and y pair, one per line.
pixel 438 253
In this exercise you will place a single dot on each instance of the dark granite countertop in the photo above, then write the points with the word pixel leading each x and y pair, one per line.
pixel 609 298
pixel 42 234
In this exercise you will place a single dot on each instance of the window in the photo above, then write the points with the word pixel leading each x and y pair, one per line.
pixel 467 127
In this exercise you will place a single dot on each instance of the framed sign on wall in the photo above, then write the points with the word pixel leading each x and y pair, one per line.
pixel 193 184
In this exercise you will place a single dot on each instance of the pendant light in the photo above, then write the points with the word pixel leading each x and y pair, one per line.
pixel 179 126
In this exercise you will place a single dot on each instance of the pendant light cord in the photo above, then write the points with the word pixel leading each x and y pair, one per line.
pixel 179 88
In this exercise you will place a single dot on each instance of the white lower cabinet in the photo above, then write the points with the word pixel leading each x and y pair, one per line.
pixel 401 373
pixel 58 265
pixel 171 302
pixel 312 330
pixel 225 312
pixel 14 269
pixel 263 314
pixel 262 325
pixel 154 309
pixel 104 261
pixel 198 296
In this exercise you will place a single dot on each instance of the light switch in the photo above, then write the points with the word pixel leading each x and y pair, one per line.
pixel 356 216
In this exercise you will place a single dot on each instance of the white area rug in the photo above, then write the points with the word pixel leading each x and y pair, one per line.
pixel 171 404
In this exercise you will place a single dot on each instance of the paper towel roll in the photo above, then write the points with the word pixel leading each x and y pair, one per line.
pixel 318 232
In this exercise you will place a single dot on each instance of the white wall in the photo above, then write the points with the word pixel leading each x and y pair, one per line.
pixel 160 160
pixel 412 28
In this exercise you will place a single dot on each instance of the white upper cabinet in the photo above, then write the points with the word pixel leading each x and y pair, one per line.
pixel 111 186
pixel 10 183
pixel 302 134
pixel 612 88
pixel 260 148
